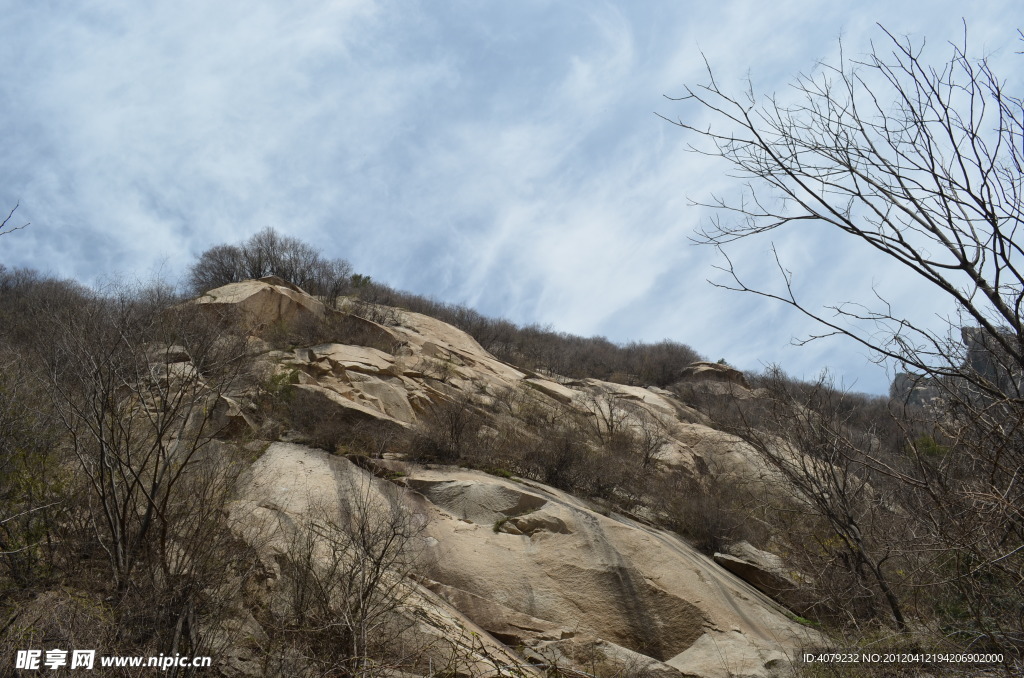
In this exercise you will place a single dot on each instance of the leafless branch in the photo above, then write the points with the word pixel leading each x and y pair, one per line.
pixel 5 228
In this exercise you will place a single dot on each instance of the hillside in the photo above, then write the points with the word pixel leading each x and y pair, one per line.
pixel 299 485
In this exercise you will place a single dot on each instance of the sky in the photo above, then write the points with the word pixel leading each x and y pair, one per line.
pixel 504 155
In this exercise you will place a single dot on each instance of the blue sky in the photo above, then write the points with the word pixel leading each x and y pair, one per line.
pixel 506 155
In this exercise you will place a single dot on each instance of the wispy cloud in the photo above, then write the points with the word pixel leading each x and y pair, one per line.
pixel 502 154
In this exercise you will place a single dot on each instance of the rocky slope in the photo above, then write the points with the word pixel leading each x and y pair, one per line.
pixel 512 569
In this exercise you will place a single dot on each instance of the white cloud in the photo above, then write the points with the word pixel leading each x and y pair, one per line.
pixel 502 154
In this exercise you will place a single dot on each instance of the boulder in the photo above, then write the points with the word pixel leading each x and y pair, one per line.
pixel 230 419
pixel 552 389
pixel 483 503
pixel 767 573
pixel 163 353
pixel 510 627
pixel 290 485
pixel 335 405
pixel 355 358
pixel 704 371
pixel 263 303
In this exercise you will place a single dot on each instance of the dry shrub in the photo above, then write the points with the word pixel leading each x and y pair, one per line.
pixel 448 431
pixel 332 327
pixel 380 314
pixel 59 618
pixel 561 457
pixel 320 423
pixel 710 512
pixel 346 580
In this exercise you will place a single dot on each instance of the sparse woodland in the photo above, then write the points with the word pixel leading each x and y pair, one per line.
pixel 130 417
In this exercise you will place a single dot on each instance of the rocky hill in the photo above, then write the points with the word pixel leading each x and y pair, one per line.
pixel 382 409
pixel 331 485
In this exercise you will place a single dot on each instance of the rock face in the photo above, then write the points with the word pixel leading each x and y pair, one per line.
pixel 701 380
pixel 987 358
pixel 537 569
pixel 525 565
pixel 914 389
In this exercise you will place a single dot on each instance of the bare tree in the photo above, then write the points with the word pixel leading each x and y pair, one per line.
pixel 268 253
pixel 923 164
pixel 652 434
pixel 34 485
pixel 135 386
pixel 610 417
pixel 804 432
pixel 448 429
pixel 30 489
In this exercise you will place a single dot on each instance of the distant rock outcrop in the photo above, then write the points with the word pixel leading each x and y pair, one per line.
pixel 914 389
pixel 983 356
pixel 705 371
pixel 986 357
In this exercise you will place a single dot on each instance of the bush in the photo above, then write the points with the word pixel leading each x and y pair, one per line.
pixel 709 512
pixel 331 328
pixel 34 486
pixel 447 431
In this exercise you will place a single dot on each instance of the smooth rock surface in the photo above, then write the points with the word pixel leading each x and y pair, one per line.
pixel 577 574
